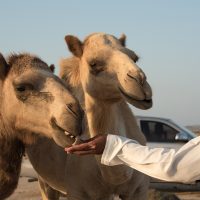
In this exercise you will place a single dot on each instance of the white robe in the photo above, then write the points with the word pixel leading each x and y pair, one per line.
pixel 161 163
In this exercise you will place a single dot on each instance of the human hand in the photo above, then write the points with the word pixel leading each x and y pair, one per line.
pixel 94 145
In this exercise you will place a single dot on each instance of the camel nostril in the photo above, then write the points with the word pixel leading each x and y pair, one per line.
pixel 138 76
pixel 142 77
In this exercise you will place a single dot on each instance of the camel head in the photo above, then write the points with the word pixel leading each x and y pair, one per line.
pixel 108 70
pixel 33 101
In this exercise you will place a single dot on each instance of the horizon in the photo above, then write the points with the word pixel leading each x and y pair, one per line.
pixel 165 35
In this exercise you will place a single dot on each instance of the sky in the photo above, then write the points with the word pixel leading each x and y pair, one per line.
pixel 165 34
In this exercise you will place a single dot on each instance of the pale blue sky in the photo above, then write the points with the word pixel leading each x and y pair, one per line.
pixel 165 34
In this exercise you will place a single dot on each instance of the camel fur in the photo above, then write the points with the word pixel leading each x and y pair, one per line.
pixel 34 103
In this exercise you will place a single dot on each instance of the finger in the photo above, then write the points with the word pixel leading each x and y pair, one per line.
pixel 79 147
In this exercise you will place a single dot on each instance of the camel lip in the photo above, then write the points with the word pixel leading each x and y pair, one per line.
pixel 148 101
pixel 54 125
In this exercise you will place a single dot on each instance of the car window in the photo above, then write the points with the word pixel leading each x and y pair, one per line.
pixel 158 131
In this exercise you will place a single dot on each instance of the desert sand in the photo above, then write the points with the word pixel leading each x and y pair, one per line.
pixel 30 191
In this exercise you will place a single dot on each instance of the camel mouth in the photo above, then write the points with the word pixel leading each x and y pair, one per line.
pixel 145 101
pixel 55 125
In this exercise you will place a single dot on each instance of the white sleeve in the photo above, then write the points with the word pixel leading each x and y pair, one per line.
pixel 161 163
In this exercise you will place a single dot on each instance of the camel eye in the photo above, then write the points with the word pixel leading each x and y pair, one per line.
pixel 23 91
pixel 93 64
pixel 96 63
pixel 21 88
pixel 97 66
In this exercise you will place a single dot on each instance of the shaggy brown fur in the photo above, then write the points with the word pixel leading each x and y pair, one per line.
pixel 71 75
pixel 20 62
pixel 11 148
pixel 24 109
pixel 10 165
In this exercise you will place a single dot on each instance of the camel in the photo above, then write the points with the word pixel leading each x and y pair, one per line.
pixel 103 76
pixel 34 103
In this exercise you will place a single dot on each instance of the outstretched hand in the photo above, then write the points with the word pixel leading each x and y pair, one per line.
pixel 94 145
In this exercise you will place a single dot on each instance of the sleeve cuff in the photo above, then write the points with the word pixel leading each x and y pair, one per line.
pixel 113 146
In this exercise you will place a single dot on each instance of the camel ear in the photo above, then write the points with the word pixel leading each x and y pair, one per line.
pixel 122 40
pixel 74 45
pixel 3 67
pixel 52 67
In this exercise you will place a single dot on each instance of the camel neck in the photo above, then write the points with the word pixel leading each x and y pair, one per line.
pixel 9 165
pixel 116 118
pixel 103 118
pixel 112 118
pixel 5 130
pixel 100 116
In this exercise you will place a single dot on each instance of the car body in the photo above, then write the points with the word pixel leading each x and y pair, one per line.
pixel 162 132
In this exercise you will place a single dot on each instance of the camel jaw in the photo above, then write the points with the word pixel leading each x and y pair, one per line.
pixel 142 104
pixel 61 136
pixel 77 138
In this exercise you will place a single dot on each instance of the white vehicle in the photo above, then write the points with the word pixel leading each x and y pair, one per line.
pixel 161 132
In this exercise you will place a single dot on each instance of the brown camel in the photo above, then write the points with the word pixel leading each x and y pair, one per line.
pixel 33 103
pixel 103 75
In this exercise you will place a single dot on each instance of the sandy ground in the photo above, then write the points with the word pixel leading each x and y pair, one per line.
pixel 26 190
pixel 30 191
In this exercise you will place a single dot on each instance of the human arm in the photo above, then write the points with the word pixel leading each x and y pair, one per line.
pixel 161 163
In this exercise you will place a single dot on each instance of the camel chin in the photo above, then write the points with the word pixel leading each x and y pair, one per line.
pixel 143 104
pixel 62 137
pixel 66 139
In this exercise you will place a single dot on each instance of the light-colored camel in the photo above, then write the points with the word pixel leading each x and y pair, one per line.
pixel 33 103
pixel 103 75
